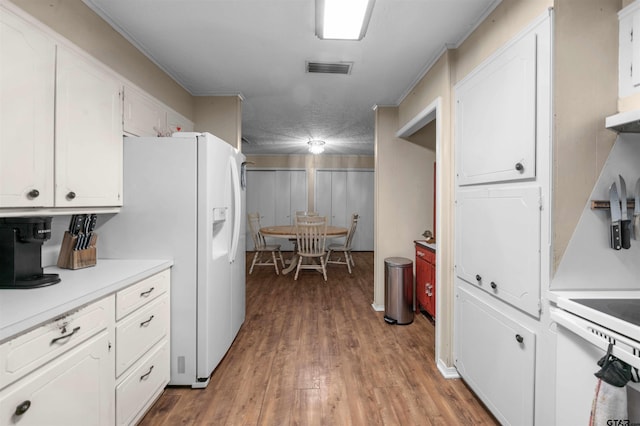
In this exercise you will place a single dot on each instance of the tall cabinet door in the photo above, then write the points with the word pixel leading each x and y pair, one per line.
pixel 339 194
pixel 88 134
pixel 27 85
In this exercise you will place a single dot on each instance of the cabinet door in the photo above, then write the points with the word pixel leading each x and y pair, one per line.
pixel 27 83
pixel 261 198
pixel 421 281
pixel 498 243
pixel 88 134
pixel 496 357
pixel 430 289
pixel 179 123
pixel 74 389
pixel 341 193
pixel 360 190
pixel 142 116
pixel 496 117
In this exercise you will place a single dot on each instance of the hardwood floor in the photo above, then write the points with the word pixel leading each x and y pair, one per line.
pixel 315 353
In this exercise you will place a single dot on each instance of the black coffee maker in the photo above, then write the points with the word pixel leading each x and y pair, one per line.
pixel 21 241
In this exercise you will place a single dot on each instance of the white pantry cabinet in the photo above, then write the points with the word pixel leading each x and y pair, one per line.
pixel 27 88
pixel 61 119
pixel 502 224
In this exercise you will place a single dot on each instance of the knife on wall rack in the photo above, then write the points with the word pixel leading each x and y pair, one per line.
pixel 625 223
pixel 636 212
pixel 616 215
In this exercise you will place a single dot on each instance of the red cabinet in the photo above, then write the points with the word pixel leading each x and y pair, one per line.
pixel 426 279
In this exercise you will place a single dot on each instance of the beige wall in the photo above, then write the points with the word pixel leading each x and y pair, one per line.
pixel 403 204
pixel 80 25
pixel 311 163
pixel 220 115
pixel 585 92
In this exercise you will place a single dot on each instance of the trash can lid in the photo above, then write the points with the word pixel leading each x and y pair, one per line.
pixel 398 261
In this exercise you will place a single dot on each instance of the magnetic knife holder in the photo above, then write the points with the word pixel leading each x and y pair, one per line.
pixel 604 204
pixel 76 259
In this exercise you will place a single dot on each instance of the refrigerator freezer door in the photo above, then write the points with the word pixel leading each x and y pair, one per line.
pixel 214 241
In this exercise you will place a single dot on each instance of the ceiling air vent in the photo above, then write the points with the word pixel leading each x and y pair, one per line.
pixel 329 67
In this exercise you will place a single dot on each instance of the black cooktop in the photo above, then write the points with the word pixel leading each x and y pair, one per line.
pixel 625 309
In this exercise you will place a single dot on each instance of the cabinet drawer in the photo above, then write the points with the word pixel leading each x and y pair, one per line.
pixel 140 331
pixel 34 348
pixel 139 389
pixel 425 254
pixel 131 298
pixel 74 389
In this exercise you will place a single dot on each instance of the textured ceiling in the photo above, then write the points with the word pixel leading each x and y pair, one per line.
pixel 258 49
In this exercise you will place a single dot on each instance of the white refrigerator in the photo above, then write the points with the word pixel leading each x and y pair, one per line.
pixel 184 199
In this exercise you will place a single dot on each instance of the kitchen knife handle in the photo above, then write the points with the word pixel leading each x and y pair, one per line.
pixel 626 233
pixel 615 236
pixel 636 227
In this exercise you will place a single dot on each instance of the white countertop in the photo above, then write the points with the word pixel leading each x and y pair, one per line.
pixel 423 243
pixel 23 309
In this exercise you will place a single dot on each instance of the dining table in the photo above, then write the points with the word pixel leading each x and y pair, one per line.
pixel 289 232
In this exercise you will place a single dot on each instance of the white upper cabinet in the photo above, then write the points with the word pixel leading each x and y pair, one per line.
pixel 146 116
pixel 88 147
pixel 27 85
pixel 143 116
pixel 496 117
pixel 629 50
pixel 498 243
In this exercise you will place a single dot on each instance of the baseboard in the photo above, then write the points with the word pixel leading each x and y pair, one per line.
pixel 447 372
pixel 378 308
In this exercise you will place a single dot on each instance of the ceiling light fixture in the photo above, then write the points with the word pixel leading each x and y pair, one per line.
pixel 316 146
pixel 342 19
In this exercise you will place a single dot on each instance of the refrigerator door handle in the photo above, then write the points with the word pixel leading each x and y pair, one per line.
pixel 237 209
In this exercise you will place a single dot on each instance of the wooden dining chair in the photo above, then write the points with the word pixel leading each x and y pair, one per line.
pixel 346 247
pixel 262 247
pixel 311 234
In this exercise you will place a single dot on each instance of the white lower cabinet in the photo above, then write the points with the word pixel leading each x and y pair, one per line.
pixel 91 366
pixel 74 389
pixel 137 390
pixel 142 346
pixel 495 355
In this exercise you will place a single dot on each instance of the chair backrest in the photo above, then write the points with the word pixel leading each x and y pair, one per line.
pixel 304 213
pixel 352 230
pixel 254 226
pixel 311 234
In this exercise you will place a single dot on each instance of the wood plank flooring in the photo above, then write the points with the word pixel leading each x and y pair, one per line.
pixel 315 353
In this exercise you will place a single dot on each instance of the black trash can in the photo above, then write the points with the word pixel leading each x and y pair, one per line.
pixel 398 290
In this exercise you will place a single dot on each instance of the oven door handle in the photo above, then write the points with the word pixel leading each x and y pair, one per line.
pixel 598 336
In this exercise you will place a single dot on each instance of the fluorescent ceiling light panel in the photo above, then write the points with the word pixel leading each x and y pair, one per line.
pixel 342 19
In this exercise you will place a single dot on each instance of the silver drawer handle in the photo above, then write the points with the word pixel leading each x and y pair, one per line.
pixel 143 323
pixel 75 330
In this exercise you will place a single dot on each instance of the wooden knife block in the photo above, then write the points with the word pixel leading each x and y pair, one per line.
pixel 76 259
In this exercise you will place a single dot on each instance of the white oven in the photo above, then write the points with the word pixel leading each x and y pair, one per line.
pixel 586 327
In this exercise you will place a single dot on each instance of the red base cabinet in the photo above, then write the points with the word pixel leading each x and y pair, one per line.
pixel 426 279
